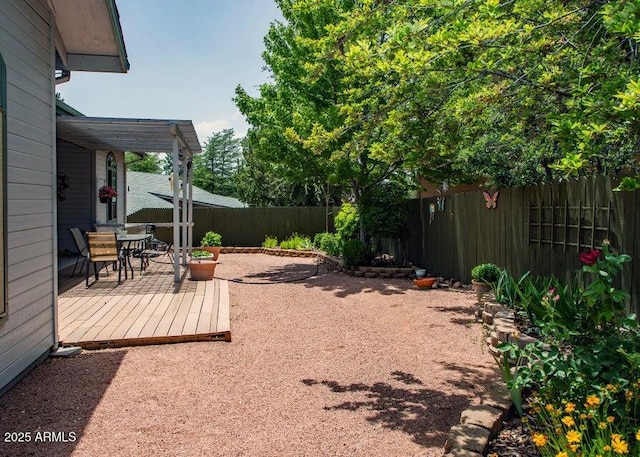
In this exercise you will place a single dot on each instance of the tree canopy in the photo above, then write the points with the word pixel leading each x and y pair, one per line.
pixel 216 168
pixel 513 92
pixel 150 163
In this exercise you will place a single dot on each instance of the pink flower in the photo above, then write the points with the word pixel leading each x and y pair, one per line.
pixel 107 192
pixel 589 258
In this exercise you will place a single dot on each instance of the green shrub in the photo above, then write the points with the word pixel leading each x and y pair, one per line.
pixel 197 254
pixel 270 242
pixel 486 272
pixel 384 210
pixel 298 242
pixel 211 239
pixel 347 222
pixel 356 253
pixel 327 242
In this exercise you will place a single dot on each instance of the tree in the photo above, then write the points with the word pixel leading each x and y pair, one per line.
pixel 264 183
pixel 150 163
pixel 291 114
pixel 505 91
pixel 215 169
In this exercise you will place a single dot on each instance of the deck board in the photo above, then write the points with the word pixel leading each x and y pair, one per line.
pixel 148 309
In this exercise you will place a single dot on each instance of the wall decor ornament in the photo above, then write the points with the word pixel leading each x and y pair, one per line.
pixel 63 185
pixel 491 201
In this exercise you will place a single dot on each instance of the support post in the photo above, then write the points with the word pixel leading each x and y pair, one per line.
pixel 190 204
pixel 185 221
pixel 176 212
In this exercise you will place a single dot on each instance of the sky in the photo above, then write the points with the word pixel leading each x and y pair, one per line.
pixel 186 60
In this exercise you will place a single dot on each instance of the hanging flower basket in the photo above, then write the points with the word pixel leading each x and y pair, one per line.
pixel 106 194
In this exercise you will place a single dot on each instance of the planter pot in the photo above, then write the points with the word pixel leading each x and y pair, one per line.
pixel 202 270
pixel 215 250
pixel 481 288
pixel 105 199
pixel 426 283
pixel 420 273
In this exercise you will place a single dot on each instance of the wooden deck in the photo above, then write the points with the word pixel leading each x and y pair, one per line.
pixel 148 309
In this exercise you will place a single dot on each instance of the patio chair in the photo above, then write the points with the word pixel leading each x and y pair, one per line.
pixel 103 247
pixel 154 249
pixel 82 247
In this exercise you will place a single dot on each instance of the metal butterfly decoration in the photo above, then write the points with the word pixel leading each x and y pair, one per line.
pixel 491 200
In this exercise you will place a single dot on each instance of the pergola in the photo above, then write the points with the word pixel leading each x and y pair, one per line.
pixel 142 136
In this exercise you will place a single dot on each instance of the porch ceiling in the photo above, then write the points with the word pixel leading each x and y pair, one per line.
pixel 133 135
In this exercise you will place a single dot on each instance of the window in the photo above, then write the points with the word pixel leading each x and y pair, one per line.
pixel 112 181
pixel 3 189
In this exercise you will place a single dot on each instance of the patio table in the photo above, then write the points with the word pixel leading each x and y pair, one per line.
pixel 130 243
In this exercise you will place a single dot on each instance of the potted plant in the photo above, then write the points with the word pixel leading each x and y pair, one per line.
pixel 482 276
pixel 106 193
pixel 211 242
pixel 201 266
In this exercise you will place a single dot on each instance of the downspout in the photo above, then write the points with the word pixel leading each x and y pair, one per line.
pixel 54 184
pixel 64 77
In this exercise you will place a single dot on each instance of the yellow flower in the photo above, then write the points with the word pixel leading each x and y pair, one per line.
pixel 549 407
pixel 602 425
pixel 638 435
pixel 539 439
pixel 568 421
pixel 619 445
pixel 583 416
pixel 610 419
pixel 562 454
pixel 628 395
pixel 570 407
pixel 574 436
pixel 606 448
pixel 574 447
pixel 592 400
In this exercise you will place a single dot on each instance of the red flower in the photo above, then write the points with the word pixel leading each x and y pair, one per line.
pixel 589 258
pixel 107 192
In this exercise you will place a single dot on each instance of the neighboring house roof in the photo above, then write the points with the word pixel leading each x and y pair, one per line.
pixel 148 190
pixel 62 109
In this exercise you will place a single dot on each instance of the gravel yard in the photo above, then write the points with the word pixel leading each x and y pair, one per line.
pixel 330 365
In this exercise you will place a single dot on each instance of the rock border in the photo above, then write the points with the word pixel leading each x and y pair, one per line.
pixel 480 424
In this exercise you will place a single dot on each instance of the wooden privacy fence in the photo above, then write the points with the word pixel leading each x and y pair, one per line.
pixel 246 226
pixel 541 229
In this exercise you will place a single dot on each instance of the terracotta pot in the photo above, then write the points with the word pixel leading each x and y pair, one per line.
pixel 215 250
pixel 202 270
pixel 481 288
pixel 425 282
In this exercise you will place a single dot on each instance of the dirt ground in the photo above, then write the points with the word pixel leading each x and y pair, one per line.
pixel 322 365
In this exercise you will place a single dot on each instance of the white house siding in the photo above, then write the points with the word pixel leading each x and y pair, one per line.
pixel 26 46
pixel 77 209
pixel 101 176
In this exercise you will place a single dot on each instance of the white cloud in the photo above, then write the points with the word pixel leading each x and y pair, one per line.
pixel 205 129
